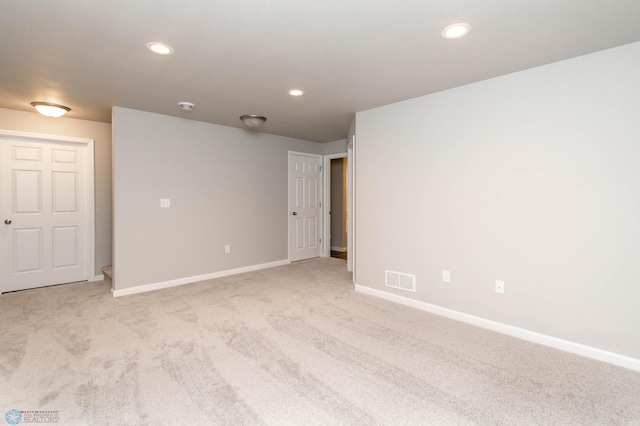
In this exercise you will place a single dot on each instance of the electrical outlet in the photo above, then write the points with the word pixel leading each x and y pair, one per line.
pixel 499 287
pixel 446 276
pixel 227 248
pixel 165 203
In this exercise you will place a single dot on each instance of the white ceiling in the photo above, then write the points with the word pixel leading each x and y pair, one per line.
pixel 238 57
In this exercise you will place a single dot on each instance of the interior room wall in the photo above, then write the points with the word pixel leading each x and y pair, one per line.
pixel 227 186
pixel 335 147
pixel 33 122
pixel 530 178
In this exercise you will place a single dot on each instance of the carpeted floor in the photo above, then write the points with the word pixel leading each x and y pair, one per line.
pixel 288 345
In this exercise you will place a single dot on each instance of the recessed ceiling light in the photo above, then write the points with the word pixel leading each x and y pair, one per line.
pixel 160 48
pixel 455 31
pixel 296 92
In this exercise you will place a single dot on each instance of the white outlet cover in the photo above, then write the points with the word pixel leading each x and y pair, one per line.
pixel 165 203
pixel 499 287
pixel 446 276
pixel 227 249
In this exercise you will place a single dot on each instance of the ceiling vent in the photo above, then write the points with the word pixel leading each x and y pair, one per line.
pixel 400 281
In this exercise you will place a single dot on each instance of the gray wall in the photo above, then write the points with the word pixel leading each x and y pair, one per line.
pixel 335 147
pixel 226 186
pixel 34 122
pixel 531 178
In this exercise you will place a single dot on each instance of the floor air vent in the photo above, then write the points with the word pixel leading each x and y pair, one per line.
pixel 400 281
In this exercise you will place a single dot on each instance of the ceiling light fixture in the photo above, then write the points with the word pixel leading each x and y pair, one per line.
pixel 159 48
pixel 50 110
pixel 186 106
pixel 253 121
pixel 296 92
pixel 456 31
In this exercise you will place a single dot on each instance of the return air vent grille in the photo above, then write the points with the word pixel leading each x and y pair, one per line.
pixel 400 281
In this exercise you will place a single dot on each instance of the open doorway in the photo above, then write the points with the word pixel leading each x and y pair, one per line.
pixel 338 220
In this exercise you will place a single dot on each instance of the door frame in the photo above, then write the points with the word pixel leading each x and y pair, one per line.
pixel 322 224
pixel 351 202
pixel 6 135
pixel 326 181
pixel 351 249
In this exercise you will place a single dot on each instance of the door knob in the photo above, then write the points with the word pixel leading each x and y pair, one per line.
pixel 294 213
pixel 7 221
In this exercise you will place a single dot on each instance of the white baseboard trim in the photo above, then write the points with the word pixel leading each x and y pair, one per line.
pixel 188 280
pixel 531 336
pixel 97 278
pixel 340 249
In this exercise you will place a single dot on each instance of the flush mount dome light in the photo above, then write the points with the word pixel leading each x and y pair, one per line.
pixel 455 31
pixel 296 92
pixel 253 121
pixel 50 110
pixel 186 106
pixel 159 48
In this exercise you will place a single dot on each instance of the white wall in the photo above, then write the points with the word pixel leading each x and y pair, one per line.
pixel 351 221
pixel 531 178
pixel 226 186
pixel 33 122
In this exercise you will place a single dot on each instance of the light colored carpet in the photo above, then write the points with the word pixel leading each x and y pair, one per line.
pixel 288 345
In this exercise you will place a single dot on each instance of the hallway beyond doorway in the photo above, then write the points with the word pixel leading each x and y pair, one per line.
pixel 339 254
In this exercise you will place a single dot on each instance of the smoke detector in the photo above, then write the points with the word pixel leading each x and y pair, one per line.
pixel 186 106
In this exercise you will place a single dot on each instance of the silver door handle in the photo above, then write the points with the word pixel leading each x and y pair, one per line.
pixel 7 221
pixel 294 213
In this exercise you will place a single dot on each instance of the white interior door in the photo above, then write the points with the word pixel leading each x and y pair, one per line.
pixel 304 206
pixel 43 208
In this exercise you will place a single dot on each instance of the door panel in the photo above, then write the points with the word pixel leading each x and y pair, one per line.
pixel 27 153
pixel 64 192
pixel 299 195
pixel 299 234
pixel 27 191
pixel 27 245
pixel 312 232
pixel 304 208
pixel 65 246
pixel 63 156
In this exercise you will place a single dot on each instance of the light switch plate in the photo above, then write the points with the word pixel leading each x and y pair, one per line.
pixel 165 203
